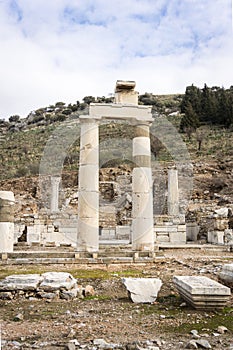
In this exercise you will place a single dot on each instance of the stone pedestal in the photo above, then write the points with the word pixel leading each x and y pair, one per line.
pixel 6 221
pixel 55 181
pixel 173 192
pixel 88 205
pixel 142 210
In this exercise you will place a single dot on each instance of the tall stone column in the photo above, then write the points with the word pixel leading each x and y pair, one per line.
pixel 88 202
pixel 6 221
pixel 55 181
pixel 142 211
pixel 173 192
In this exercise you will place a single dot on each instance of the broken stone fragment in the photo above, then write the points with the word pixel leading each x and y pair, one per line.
pixel 89 291
pixel 142 290
pixel 21 282
pixel 57 280
pixel 222 329
pixel 6 295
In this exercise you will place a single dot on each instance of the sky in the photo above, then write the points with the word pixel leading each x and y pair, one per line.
pixel 63 50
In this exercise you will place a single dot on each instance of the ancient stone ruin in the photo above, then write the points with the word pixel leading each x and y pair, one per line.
pixel 90 222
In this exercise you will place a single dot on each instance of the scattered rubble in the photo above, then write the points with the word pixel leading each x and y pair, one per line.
pixel 49 285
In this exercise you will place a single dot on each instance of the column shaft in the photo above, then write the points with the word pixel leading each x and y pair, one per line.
pixel 6 221
pixel 88 204
pixel 173 192
pixel 142 212
pixel 55 181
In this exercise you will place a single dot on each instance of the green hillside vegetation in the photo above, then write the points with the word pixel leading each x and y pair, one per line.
pixel 23 140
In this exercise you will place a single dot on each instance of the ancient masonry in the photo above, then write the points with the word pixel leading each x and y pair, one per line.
pixel 82 229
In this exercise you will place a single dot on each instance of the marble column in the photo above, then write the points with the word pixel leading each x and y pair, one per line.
pixel 55 181
pixel 6 221
pixel 173 192
pixel 142 211
pixel 88 202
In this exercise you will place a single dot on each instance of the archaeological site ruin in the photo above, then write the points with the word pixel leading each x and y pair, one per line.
pixel 142 210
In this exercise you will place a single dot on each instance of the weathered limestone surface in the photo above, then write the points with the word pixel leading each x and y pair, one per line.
pixel 192 231
pixel 49 285
pixel 6 221
pixel 124 92
pixel 142 290
pixel 57 280
pixel 170 229
pixel 88 209
pixel 21 282
pixel 173 192
pixel 226 275
pixel 55 181
pixel 216 237
pixel 202 292
pixel 120 111
pixel 142 204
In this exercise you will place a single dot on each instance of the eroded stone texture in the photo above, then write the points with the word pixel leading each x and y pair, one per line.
pixel 21 282
pixel 57 280
pixel 226 275
pixel 6 221
pixel 173 192
pixel 202 292
pixel 88 208
pixel 50 285
pixel 142 290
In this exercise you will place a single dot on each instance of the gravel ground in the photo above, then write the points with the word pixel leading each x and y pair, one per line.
pixel 111 316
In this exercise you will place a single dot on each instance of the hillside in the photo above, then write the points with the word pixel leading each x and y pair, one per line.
pixel 23 143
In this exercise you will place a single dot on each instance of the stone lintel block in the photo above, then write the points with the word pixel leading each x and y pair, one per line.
pixel 178 237
pixel 162 238
pixel 162 229
pixel 141 180
pixel 216 237
pixel 201 285
pixel 119 111
pixel 182 228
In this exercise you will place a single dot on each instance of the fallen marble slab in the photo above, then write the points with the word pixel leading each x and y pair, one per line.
pixel 226 275
pixel 57 280
pixel 142 290
pixel 202 292
pixel 21 282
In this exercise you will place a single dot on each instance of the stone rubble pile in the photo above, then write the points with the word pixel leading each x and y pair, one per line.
pixel 49 285
pixel 219 231
pixel 202 292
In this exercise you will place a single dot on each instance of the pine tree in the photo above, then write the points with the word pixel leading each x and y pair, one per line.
pixel 189 122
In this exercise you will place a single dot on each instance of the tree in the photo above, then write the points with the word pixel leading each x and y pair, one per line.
pixel 14 118
pixel 189 122
pixel 88 99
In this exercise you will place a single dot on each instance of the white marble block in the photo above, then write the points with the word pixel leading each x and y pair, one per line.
pixel 142 290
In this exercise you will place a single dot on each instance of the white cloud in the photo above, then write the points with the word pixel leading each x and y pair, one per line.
pixel 64 50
